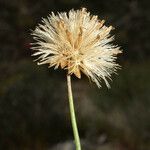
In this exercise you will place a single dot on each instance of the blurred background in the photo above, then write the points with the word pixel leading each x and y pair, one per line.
pixel 34 113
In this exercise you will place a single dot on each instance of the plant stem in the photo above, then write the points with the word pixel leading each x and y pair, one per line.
pixel 72 113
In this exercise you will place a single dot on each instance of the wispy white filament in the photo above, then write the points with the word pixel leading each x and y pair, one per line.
pixel 78 42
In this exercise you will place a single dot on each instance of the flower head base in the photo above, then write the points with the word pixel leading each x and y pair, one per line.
pixel 77 42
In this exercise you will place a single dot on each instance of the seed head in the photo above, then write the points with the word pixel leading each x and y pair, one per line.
pixel 77 42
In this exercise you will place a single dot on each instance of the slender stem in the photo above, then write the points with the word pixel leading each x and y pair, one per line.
pixel 72 113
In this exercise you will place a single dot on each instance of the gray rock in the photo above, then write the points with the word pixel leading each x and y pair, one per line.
pixel 68 145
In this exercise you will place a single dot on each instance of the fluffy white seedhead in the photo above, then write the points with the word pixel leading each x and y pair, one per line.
pixel 78 42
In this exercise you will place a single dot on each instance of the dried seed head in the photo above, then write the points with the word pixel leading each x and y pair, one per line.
pixel 77 42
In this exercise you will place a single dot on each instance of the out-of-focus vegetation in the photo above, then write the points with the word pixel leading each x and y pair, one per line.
pixel 33 99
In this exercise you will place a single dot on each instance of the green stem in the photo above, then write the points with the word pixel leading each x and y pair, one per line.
pixel 73 117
